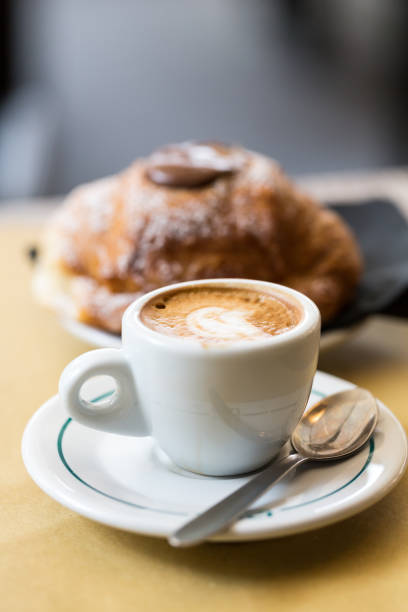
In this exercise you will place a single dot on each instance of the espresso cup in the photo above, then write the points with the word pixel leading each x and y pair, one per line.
pixel 216 410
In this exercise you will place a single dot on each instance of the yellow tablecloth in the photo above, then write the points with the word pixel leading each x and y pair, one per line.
pixel 53 560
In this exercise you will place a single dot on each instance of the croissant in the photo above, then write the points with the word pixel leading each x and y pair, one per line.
pixel 190 211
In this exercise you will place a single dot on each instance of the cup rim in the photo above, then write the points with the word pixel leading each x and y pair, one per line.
pixel 310 319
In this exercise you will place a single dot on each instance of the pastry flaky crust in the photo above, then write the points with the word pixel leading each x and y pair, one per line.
pixel 122 236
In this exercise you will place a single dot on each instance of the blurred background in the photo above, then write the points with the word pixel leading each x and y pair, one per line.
pixel 88 85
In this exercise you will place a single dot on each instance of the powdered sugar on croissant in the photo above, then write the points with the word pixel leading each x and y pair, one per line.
pixel 197 210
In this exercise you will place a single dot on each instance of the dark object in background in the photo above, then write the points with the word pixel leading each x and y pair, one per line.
pixel 382 234
pixel 5 48
pixel 33 253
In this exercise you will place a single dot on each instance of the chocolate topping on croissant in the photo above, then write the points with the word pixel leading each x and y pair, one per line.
pixel 198 210
pixel 192 164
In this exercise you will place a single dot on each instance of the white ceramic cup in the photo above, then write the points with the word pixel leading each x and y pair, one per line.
pixel 219 410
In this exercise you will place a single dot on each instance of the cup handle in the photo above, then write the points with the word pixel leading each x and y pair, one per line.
pixel 120 413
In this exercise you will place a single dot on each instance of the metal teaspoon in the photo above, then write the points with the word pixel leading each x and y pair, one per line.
pixel 334 428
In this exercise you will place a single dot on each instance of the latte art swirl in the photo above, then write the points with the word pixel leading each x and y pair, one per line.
pixel 222 324
pixel 220 314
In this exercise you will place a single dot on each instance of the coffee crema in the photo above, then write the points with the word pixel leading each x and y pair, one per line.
pixel 219 315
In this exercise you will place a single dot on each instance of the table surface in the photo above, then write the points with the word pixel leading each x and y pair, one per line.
pixel 54 560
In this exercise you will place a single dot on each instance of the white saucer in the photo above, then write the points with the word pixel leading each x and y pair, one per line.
pixel 92 335
pixel 128 483
pixel 99 338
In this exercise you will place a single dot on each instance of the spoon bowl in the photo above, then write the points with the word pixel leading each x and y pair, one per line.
pixel 336 426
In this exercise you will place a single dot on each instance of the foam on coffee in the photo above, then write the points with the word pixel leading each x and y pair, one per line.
pixel 218 314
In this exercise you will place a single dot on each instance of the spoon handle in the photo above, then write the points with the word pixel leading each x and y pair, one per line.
pixel 221 515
